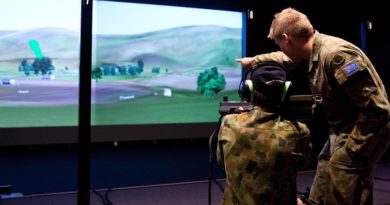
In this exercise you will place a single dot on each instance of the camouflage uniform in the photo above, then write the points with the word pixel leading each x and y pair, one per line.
pixel 261 156
pixel 358 115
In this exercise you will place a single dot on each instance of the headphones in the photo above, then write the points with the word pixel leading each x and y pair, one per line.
pixel 247 86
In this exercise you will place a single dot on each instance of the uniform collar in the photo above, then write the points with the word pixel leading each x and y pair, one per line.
pixel 262 114
pixel 315 50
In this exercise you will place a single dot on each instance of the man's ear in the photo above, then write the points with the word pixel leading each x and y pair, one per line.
pixel 285 37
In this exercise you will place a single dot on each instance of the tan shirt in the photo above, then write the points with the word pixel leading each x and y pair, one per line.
pixel 354 95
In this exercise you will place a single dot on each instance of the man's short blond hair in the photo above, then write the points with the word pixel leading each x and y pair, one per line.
pixel 291 22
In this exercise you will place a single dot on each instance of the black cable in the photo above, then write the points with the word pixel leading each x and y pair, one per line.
pixel 213 137
pixel 105 199
pixel 219 185
pixel 100 196
pixel 210 165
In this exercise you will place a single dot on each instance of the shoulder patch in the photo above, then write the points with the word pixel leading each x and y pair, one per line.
pixel 338 59
pixel 350 68
pixel 344 72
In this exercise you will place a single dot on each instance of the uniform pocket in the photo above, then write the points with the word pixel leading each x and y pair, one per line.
pixel 343 159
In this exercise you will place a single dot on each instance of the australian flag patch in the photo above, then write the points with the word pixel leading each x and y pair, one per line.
pixel 350 69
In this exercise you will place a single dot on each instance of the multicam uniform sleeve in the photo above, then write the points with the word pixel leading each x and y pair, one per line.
pixel 225 136
pixel 304 145
pixel 365 90
pixel 220 140
pixel 277 56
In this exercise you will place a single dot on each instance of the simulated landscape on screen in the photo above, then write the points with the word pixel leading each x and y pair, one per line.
pixel 152 64
pixel 163 64
pixel 39 63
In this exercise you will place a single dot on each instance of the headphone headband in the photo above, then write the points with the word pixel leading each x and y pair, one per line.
pixel 247 86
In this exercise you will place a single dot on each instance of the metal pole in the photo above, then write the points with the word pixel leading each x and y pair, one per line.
pixel 84 131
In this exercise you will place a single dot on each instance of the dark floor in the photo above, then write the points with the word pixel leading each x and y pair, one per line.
pixel 164 172
pixel 186 193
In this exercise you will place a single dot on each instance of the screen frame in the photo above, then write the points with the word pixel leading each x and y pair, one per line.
pixel 116 133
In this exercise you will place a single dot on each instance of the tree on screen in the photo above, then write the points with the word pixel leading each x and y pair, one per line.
pixel 210 82
pixel 42 65
pixel 141 65
pixel 97 73
pixel 156 70
pixel 25 67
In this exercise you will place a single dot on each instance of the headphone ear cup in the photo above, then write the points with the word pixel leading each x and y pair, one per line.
pixel 286 88
pixel 245 90
pixel 248 91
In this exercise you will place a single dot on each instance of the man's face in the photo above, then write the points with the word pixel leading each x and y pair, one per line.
pixel 289 47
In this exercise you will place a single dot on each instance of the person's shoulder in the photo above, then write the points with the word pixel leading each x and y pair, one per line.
pixel 236 118
pixel 230 117
pixel 337 52
pixel 334 44
pixel 293 125
pixel 287 124
pixel 303 127
pixel 331 38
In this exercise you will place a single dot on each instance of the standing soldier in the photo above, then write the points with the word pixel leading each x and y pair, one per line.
pixel 354 97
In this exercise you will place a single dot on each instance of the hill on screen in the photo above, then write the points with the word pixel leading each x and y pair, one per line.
pixel 54 43
pixel 176 47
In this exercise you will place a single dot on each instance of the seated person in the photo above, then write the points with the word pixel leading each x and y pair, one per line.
pixel 260 150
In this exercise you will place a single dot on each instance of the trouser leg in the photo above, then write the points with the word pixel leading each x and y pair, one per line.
pixel 349 184
pixel 319 186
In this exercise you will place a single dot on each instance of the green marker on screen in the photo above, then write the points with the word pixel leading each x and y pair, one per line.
pixel 35 47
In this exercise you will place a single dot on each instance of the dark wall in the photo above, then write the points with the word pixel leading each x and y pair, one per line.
pixel 378 42
pixel 341 19
pixel 52 169
pixel 171 161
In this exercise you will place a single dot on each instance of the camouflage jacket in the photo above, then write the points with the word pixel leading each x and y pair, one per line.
pixel 261 154
pixel 355 98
